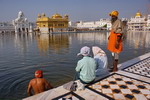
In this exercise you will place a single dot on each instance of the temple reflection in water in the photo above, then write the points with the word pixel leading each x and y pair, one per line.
pixel 56 43
pixel 47 43
pixel 138 39
pixel 59 42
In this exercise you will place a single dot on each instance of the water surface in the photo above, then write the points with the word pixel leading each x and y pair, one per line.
pixel 22 54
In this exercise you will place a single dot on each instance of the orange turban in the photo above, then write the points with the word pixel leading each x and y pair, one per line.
pixel 38 74
pixel 114 13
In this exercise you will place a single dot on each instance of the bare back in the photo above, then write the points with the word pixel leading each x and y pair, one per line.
pixel 38 85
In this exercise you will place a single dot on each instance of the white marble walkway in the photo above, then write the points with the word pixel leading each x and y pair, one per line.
pixel 131 82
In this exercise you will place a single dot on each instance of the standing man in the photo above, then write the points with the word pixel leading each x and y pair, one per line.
pixel 115 38
pixel 38 84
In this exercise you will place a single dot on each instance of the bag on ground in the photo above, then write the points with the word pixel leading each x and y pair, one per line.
pixel 71 86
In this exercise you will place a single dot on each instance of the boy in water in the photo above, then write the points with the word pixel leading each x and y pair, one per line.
pixel 38 84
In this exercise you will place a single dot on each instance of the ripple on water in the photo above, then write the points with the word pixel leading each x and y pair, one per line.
pixel 21 55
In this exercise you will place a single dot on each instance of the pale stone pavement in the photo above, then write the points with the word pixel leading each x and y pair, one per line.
pixel 131 82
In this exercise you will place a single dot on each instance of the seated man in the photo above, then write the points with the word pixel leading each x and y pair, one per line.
pixel 101 60
pixel 38 84
pixel 86 66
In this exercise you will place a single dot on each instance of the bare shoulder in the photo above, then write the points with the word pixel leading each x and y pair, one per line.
pixel 44 79
pixel 33 80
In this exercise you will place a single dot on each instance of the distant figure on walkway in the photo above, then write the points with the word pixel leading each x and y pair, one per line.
pixel 38 84
pixel 115 38
pixel 86 66
pixel 101 60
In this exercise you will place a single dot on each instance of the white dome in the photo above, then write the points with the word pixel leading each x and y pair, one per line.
pixel 20 14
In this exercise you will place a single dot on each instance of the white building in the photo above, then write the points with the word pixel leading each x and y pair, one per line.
pixel 148 22
pixel 102 23
pixel 137 23
pixel 72 24
pixel 6 27
pixel 21 23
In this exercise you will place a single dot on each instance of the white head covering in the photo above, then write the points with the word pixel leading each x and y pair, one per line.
pixel 98 51
pixel 85 51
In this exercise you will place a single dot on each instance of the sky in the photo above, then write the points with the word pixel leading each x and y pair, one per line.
pixel 85 10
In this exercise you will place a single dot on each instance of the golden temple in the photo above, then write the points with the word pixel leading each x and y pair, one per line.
pixel 54 23
pixel 138 14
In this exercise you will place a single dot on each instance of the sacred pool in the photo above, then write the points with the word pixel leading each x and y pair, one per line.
pixel 56 55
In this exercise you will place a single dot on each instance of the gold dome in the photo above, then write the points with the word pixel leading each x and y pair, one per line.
pixel 56 16
pixel 39 15
pixel 66 16
pixel 138 14
pixel 43 15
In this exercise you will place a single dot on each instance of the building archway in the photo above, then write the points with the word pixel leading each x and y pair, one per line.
pixel 19 29
pixel 27 30
pixel 49 30
pixel 23 29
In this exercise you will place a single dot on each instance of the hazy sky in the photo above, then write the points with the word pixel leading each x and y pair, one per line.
pixel 86 10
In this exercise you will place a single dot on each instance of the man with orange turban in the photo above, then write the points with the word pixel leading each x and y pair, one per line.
pixel 38 84
pixel 115 38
